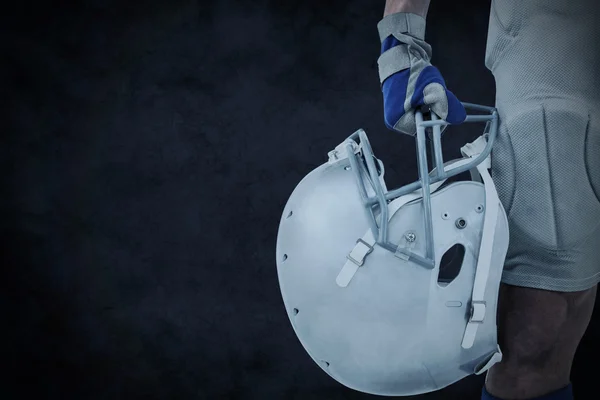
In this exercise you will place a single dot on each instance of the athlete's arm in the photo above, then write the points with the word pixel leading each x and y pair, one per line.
pixel 418 7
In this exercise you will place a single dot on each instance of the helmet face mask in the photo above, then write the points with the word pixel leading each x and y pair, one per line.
pixel 394 292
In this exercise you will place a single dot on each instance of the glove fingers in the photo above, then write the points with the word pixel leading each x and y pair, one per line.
pixel 434 95
pixel 456 111
pixel 429 90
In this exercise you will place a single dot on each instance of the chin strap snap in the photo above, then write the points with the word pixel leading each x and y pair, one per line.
pixel 340 153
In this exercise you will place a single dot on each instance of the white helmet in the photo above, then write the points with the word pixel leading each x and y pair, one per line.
pixel 394 292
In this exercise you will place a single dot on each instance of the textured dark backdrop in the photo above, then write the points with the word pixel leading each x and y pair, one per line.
pixel 147 153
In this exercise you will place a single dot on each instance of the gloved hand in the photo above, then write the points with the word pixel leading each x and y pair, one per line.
pixel 408 79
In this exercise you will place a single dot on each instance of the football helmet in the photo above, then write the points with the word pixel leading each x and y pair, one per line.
pixel 393 292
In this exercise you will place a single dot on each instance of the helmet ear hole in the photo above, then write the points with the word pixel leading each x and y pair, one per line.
pixel 451 264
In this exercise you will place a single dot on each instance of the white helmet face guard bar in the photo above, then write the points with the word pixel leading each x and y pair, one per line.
pixel 425 179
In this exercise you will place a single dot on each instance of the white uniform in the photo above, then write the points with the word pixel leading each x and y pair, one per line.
pixel 545 57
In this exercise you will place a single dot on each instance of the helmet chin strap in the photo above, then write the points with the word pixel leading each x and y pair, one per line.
pixel 492 204
pixel 364 246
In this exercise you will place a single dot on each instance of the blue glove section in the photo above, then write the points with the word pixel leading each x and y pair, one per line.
pixel 395 88
pixel 394 94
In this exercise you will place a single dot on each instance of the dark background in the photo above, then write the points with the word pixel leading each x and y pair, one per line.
pixel 148 149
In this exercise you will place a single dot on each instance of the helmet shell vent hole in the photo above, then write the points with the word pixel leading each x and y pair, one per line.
pixel 284 257
pixel 296 311
pixel 451 264
pixel 290 214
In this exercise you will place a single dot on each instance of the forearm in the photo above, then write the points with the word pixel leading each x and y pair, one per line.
pixel 418 7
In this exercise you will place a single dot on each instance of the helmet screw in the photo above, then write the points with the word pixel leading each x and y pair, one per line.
pixel 410 237
pixel 461 223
